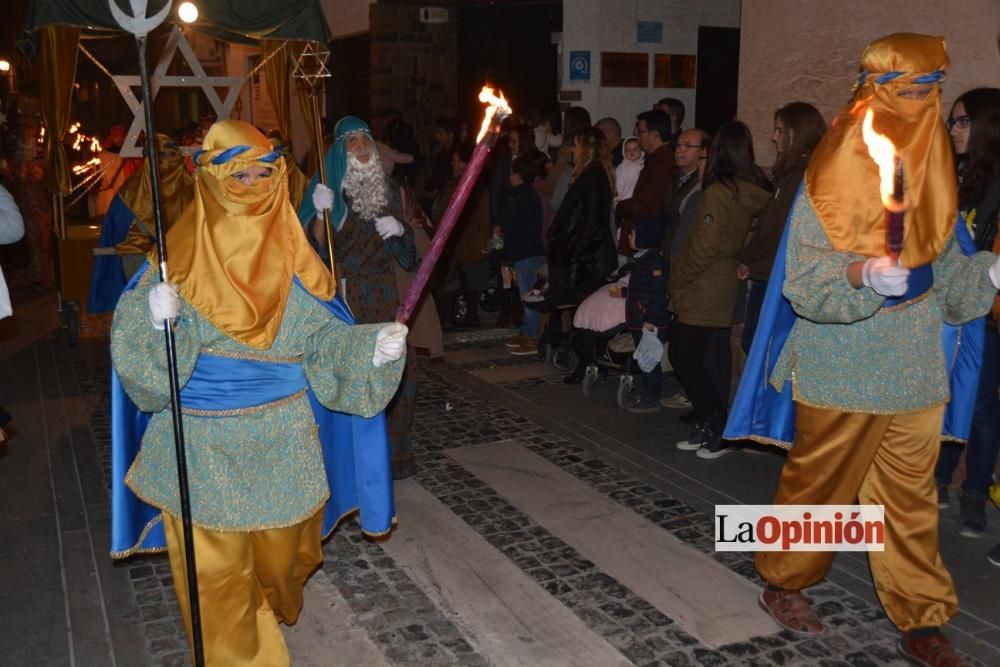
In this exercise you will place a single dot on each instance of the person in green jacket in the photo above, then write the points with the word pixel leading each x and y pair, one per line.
pixel 703 283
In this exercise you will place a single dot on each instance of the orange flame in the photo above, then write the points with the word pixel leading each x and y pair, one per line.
pixel 86 166
pixel 882 151
pixel 496 105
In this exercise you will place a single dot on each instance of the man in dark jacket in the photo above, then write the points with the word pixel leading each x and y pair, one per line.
pixel 646 302
pixel 651 196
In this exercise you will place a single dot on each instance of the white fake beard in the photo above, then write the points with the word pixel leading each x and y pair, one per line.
pixel 366 185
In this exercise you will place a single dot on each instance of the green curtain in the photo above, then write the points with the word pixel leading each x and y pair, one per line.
pixel 245 21
pixel 277 77
pixel 56 72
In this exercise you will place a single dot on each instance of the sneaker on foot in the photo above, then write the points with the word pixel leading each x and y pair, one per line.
pixel 514 342
pixel 676 402
pixel 714 446
pixel 943 499
pixel 644 407
pixel 528 346
pixel 696 438
pixel 993 555
pixel 973 511
pixel 933 650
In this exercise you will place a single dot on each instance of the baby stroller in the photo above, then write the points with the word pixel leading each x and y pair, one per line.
pixel 599 325
pixel 615 356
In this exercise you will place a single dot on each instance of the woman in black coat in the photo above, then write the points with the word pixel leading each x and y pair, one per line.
pixel 581 250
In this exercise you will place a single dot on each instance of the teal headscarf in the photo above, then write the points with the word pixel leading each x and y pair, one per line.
pixel 336 166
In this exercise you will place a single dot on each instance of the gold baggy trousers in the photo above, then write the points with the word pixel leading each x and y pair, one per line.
pixel 842 457
pixel 247 583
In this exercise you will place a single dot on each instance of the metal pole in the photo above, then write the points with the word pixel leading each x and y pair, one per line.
pixel 321 164
pixel 175 403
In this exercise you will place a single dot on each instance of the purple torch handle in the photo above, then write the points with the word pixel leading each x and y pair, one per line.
pixel 894 216
pixel 443 231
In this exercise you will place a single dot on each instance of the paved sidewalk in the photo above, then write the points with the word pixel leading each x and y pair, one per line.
pixel 541 527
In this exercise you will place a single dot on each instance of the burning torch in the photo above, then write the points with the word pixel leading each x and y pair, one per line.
pixel 495 112
pixel 890 171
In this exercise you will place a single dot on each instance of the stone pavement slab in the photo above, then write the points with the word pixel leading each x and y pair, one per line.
pixel 712 603
pixel 509 618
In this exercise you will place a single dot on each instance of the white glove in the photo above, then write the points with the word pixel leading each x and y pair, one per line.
pixel 387 226
pixel 322 199
pixel 164 304
pixel 884 277
pixel 390 343
pixel 995 273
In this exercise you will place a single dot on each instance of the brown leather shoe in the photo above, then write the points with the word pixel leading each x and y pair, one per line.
pixel 791 610
pixel 931 651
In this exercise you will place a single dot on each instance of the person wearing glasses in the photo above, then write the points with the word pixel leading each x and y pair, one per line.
pixel 652 190
pixel 974 126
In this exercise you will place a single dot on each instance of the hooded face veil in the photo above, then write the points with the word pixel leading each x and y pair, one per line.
pixel 235 250
pixel 899 82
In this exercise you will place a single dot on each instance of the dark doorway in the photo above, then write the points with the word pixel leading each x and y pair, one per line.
pixel 718 76
pixel 510 46
pixel 348 90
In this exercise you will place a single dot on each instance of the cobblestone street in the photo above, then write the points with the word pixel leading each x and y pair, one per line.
pixel 541 527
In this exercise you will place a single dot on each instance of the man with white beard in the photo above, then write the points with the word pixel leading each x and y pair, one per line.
pixel 373 218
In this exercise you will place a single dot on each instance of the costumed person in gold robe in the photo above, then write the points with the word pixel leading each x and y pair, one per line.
pixel 377 226
pixel 297 181
pixel 866 360
pixel 265 353
pixel 128 226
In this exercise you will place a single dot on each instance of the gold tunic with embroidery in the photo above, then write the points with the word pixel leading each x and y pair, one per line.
pixel 261 467
pixel 889 360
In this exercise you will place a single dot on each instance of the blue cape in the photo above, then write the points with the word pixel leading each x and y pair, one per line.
pixel 762 414
pixel 107 280
pixel 356 458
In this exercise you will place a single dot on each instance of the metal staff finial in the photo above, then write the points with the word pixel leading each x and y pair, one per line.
pixel 309 71
pixel 140 25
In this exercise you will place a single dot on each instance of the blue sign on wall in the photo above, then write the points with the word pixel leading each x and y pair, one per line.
pixel 579 65
pixel 649 32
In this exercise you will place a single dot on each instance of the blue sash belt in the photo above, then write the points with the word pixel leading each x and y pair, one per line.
pixel 920 282
pixel 762 413
pixel 225 383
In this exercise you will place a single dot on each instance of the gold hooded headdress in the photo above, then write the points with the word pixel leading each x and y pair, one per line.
pixel 842 180
pixel 176 191
pixel 235 250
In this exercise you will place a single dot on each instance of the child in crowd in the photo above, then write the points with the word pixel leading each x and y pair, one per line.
pixel 627 173
pixel 521 227
pixel 646 302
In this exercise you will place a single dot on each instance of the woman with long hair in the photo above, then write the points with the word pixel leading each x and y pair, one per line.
pixel 575 120
pixel 703 283
pixel 798 127
pixel 581 250
pixel 974 125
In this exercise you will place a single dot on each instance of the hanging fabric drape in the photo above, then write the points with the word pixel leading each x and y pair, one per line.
pixel 275 55
pixel 57 61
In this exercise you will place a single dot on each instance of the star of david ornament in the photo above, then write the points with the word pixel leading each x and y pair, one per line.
pixel 208 84
pixel 310 67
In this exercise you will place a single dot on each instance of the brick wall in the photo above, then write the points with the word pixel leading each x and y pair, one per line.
pixel 413 65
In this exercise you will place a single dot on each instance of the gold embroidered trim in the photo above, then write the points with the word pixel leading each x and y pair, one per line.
pixel 308 514
pixel 219 529
pixel 355 510
pixel 135 548
pixel 236 412
pixel 251 356
pixel 762 440
pixel 905 304
pixel 955 439
pixel 797 397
